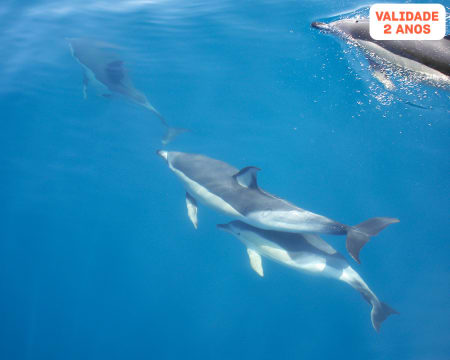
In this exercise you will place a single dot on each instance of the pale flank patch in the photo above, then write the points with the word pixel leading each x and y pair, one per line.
pixel 348 275
pixel 276 253
pixel 285 220
pixel 310 263
pixel 303 261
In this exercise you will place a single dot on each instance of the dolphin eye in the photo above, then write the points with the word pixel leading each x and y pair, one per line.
pixel 239 234
pixel 356 21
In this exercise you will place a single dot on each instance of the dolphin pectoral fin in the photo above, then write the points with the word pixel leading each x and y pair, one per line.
pixel 85 85
pixel 192 209
pixel 247 177
pixel 255 261
pixel 379 73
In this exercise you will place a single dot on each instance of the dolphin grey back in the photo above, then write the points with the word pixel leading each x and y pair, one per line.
pixel 217 177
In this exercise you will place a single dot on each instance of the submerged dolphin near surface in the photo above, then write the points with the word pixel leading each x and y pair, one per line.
pixel 429 59
pixel 307 252
pixel 237 194
pixel 106 72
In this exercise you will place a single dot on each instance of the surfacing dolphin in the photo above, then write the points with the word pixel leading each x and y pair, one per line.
pixel 237 194
pixel 429 60
pixel 103 69
pixel 307 252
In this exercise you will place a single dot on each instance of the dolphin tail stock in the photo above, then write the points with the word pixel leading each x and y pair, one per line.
pixel 380 312
pixel 359 235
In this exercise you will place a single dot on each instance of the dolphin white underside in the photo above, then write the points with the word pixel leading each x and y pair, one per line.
pixel 315 263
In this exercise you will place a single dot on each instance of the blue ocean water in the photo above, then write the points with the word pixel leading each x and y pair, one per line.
pixel 98 259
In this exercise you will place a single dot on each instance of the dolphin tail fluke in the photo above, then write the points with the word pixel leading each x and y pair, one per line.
pixel 359 235
pixel 171 133
pixel 380 312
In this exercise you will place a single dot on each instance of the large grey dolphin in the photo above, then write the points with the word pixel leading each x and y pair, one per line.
pixel 103 69
pixel 307 252
pixel 237 194
pixel 429 59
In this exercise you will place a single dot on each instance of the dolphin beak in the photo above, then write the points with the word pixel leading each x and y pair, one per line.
pixel 320 25
pixel 162 153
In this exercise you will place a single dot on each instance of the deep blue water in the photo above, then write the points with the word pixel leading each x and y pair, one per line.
pixel 98 259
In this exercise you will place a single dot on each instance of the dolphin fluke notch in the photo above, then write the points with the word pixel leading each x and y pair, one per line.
pixel 359 235
pixel 381 312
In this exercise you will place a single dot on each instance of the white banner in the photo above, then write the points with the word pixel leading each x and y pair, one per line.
pixel 407 21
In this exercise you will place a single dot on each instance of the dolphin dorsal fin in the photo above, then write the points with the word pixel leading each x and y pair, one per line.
pixel 255 261
pixel 247 177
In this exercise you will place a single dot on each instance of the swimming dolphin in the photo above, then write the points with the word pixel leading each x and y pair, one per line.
pixel 237 194
pixel 429 59
pixel 307 252
pixel 106 72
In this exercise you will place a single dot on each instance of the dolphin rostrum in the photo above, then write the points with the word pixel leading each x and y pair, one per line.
pixel 237 194
pixel 429 59
pixel 307 252
pixel 103 69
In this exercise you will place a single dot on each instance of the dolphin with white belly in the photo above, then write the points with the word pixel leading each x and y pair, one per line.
pixel 307 252
pixel 237 194
pixel 429 59
pixel 105 71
